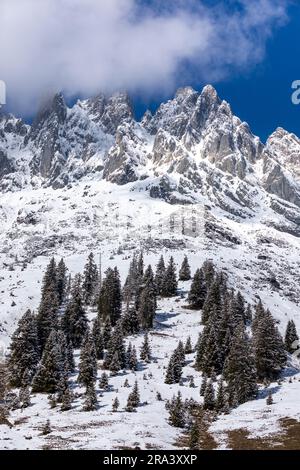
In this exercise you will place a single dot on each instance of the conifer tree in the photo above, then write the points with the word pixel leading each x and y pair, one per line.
pixel 130 322
pixel 160 275
pixel 88 363
pixel 270 355
pixel 133 280
pixel 107 332
pixel 66 400
pixel 98 339
pixel 74 321
pixel 90 280
pixel 209 397
pixel 185 270
pixel 132 361
pixel 47 314
pixel 203 385
pixel 237 308
pixel 47 317
pixel 169 288
pixel 110 299
pixel 221 399
pixel 188 348
pixel 91 402
pixel 70 356
pixel 104 381
pixel 115 405
pixel 239 370
pixel 133 400
pixel 135 395
pixel 115 365
pixel 213 301
pixel 24 350
pixel 176 411
pixel 116 352
pixel 291 337
pixel 194 436
pixel 147 307
pixel 198 291
pixel 145 354
pixel 52 366
pixel 209 273
pixel 61 280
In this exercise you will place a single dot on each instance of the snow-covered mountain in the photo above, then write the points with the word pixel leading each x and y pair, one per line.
pixel 190 179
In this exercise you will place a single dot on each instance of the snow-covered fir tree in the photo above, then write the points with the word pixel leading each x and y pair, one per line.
pixel 291 339
pixel 88 363
pixel 90 280
pixel 185 270
pixel 24 350
pixel 145 353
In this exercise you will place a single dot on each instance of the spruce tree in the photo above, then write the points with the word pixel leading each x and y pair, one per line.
pixel 132 361
pixel 176 411
pixel 116 352
pixel 130 322
pixel 198 291
pixel 91 402
pixel 185 270
pixel 188 348
pixel 47 314
pixel 194 436
pixel 160 275
pixel 110 298
pixel 52 366
pixel 209 273
pixel 239 370
pixel 203 385
pixel 115 405
pixel 107 332
pixel 90 280
pixel 145 354
pixel 74 321
pixel 66 401
pixel 270 355
pixel 147 306
pixel 61 280
pixel 88 363
pixel 104 381
pixel 209 397
pixel 221 399
pixel 291 340
pixel 213 301
pixel 169 288
pixel 24 350
pixel 98 338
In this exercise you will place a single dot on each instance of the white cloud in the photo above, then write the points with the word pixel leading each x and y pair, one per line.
pixel 84 46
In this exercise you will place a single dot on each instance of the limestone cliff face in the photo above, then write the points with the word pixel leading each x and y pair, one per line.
pixel 193 145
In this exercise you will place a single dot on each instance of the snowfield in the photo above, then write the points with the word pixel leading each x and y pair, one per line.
pixel 116 221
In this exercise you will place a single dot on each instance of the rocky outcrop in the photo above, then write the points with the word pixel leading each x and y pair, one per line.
pixel 192 147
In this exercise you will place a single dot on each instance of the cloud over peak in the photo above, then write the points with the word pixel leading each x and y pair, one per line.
pixel 84 46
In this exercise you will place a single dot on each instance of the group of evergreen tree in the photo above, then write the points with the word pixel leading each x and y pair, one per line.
pixel 42 348
pixel 225 347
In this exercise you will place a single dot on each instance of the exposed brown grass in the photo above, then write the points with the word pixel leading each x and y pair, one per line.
pixel 287 439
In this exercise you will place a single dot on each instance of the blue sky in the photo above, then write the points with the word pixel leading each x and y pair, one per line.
pixel 248 49
pixel 262 95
